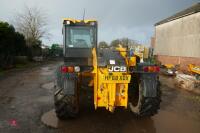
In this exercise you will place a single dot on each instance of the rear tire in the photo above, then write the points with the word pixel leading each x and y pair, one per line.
pixel 66 106
pixel 140 105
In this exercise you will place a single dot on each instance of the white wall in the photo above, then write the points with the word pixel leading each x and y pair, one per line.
pixel 180 37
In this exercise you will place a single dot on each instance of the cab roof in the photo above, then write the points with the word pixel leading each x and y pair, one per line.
pixel 78 20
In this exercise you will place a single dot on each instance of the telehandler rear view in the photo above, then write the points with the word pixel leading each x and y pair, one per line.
pixel 116 75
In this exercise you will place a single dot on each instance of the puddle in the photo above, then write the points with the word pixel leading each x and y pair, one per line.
pixel 45 68
pixel 96 123
pixel 46 71
pixel 164 122
pixel 50 119
pixel 44 99
pixel 6 100
pixel 167 122
pixel 49 85
pixel 178 114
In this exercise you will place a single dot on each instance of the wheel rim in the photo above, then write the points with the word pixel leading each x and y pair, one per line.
pixel 135 99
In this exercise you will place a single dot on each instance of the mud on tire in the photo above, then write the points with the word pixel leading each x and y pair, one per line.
pixel 66 106
pixel 140 105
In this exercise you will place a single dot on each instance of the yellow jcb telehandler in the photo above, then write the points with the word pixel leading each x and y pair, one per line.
pixel 118 77
pixel 194 69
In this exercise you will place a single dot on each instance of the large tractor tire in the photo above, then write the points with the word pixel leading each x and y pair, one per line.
pixel 66 106
pixel 140 105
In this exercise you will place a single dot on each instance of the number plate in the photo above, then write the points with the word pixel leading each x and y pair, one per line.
pixel 116 78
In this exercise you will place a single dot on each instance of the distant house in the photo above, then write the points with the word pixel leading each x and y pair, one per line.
pixel 177 38
pixel 45 46
pixel 60 46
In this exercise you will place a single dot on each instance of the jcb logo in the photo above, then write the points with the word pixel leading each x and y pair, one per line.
pixel 117 69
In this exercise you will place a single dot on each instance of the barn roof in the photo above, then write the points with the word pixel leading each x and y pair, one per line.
pixel 191 10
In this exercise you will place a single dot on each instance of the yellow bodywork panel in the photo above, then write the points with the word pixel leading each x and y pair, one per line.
pixel 169 66
pixel 112 89
pixel 194 69
pixel 132 61
pixel 122 51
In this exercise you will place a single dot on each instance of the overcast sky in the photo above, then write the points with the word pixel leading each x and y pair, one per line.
pixel 134 19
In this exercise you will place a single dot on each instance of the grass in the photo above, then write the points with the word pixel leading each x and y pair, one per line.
pixel 1 71
pixel 17 67
pixel 21 65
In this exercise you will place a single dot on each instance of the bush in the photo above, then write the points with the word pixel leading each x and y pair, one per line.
pixel 12 43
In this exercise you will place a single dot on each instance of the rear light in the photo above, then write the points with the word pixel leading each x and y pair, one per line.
pixel 77 69
pixel 67 69
pixel 70 69
pixel 145 69
pixel 151 69
pixel 157 68
pixel 64 69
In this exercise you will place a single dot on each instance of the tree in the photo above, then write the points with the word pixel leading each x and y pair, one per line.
pixel 56 50
pixel 11 44
pixel 32 23
pixel 7 37
pixel 124 42
pixel 115 43
pixel 20 45
pixel 103 44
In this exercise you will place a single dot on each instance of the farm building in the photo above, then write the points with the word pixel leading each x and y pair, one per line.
pixel 177 38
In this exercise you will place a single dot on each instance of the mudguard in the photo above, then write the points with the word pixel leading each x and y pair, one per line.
pixel 66 81
pixel 149 84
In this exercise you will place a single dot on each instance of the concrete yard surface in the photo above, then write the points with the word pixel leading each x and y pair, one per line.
pixel 26 106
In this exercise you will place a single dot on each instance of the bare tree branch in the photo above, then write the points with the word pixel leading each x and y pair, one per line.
pixel 32 23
